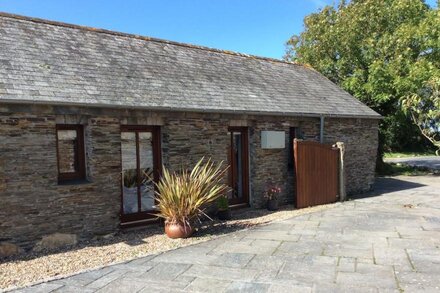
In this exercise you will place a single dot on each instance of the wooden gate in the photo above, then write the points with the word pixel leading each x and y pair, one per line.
pixel 317 169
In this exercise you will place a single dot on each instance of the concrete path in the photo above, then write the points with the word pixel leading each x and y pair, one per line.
pixel 386 242
pixel 432 162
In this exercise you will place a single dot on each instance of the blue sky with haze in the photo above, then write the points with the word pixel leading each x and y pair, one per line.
pixel 258 27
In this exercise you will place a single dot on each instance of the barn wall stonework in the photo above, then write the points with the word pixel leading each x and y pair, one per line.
pixel 360 137
pixel 33 204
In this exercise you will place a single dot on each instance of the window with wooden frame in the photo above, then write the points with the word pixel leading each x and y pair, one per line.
pixel 70 153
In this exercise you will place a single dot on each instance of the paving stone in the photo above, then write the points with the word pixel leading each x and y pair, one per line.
pixel 141 260
pixel 165 271
pixel 373 280
pixel 299 248
pixel 417 279
pixel 280 226
pixel 247 246
pixel 273 235
pixel 207 285
pixel 220 273
pixel 349 252
pixel 374 269
pixel 391 256
pixel 346 264
pixel 267 263
pixel 419 288
pixel 425 260
pixel 105 279
pixel 161 288
pixel 350 288
pixel 310 273
pixel 299 231
pixel 311 260
pixel 284 288
pixel 247 287
pixel 194 255
pixel 138 268
pixel 41 288
pixel 123 285
pixel 72 289
pixel 232 260
pixel 409 243
pixel 162 285
pixel 83 279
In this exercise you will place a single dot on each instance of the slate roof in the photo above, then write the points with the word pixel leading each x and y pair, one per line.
pixel 55 63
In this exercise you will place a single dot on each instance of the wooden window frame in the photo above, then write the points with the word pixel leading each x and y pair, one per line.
pixel 245 163
pixel 80 173
pixel 142 216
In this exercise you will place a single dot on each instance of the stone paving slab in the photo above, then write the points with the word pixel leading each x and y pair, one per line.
pixel 388 241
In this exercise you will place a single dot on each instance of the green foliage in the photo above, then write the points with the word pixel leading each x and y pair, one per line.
pixel 181 196
pixel 424 109
pixel 130 178
pixel 408 154
pixel 222 203
pixel 377 50
pixel 396 169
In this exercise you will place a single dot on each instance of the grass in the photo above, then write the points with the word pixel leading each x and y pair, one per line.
pixel 408 154
pixel 395 169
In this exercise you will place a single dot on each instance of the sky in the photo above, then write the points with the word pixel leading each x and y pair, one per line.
pixel 257 27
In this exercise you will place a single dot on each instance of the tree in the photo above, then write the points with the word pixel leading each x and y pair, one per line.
pixel 424 110
pixel 377 50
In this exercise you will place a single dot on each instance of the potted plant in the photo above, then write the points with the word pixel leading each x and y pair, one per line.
pixel 272 198
pixel 182 196
pixel 223 212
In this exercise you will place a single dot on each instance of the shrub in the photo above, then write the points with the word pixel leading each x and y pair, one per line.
pixel 181 196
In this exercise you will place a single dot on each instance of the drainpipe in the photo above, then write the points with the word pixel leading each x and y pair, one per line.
pixel 321 131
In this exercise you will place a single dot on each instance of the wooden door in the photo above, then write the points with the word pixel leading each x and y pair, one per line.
pixel 141 165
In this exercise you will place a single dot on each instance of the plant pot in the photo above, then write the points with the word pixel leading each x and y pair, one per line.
pixel 272 204
pixel 177 230
pixel 224 214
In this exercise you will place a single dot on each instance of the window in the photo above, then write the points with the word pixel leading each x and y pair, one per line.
pixel 141 168
pixel 70 153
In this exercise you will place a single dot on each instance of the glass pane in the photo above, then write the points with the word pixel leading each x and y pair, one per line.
pixel 129 172
pixel 67 152
pixel 237 152
pixel 236 167
pixel 146 166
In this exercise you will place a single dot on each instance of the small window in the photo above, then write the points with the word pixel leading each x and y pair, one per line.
pixel 70 152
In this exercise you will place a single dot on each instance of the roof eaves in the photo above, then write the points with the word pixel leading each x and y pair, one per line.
pixel 196 110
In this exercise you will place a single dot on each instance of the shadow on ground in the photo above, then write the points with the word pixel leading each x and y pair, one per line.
pixel 387 184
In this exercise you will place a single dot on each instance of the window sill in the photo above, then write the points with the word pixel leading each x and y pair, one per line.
pixel 74 182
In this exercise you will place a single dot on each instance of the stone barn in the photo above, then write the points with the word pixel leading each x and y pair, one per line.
pixel 84 112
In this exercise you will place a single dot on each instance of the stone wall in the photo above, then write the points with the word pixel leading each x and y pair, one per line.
pixel 360 137
pixel 187 138
pixel 270 167
pixel 33 204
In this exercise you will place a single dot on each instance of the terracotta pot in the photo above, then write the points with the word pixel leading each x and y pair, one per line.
pixel 272 205
pixel 176 230
pixel 224 214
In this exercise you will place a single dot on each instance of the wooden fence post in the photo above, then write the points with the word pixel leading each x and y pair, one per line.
pixel 341 147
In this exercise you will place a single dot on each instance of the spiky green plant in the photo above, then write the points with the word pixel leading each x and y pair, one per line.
pixel 181 196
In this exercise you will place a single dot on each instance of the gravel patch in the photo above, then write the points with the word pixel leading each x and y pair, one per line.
pixel 30 268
